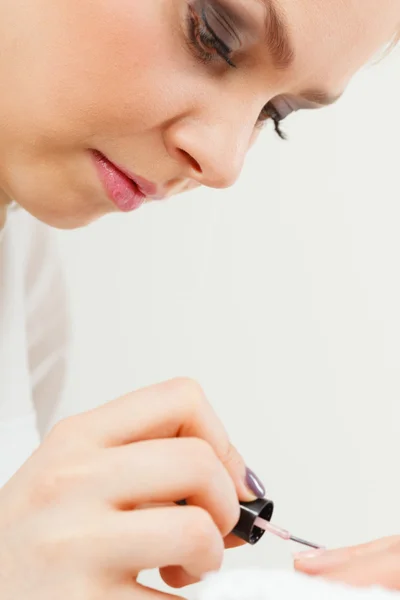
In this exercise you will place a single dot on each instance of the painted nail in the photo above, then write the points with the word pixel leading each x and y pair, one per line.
pixel 308 555
pixel 254 484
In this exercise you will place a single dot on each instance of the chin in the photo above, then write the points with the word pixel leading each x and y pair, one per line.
pixel 62 214
pixel 62 193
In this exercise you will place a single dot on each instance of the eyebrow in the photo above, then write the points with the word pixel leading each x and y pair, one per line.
pixel 277 35
pixel 282 51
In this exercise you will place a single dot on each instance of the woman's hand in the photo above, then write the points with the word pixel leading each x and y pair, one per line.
pixel 377 563
pixel 67 524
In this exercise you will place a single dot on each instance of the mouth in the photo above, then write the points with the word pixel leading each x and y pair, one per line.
pixel 126 190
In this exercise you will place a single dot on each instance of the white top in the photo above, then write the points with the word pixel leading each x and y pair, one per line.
pixel 32 337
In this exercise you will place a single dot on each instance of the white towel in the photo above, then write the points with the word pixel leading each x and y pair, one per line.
pixel 258 584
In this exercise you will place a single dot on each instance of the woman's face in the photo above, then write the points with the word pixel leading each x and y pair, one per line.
pixel 172 91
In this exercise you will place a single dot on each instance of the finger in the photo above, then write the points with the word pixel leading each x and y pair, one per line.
pixel 176 408
pixel 176 577
pixel 321 561
pixel 381 569
pixel 160 471
pixel 183 536
pixel 231 542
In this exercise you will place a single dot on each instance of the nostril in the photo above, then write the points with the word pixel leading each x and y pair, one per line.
pixel 192 162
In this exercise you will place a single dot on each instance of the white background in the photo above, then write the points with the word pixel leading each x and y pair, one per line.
pixel 282 298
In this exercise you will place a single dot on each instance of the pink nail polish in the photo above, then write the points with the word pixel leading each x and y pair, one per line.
pixel 308 555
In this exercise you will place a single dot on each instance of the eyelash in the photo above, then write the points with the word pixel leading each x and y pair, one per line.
pixel 205 41
pixel 208 46
pixel 269 112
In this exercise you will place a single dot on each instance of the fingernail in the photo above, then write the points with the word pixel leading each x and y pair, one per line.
pixel 308 554
pixel 254 484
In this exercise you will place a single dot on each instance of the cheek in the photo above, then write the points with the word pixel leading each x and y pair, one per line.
pixel 146 79
pixel 107 68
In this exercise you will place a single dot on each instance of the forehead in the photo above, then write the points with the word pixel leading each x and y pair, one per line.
pixel 332 39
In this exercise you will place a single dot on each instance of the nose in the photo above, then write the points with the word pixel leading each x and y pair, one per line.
pixel 210 154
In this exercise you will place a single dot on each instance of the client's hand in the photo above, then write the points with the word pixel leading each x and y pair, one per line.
pixel 377 563
pixel 75 521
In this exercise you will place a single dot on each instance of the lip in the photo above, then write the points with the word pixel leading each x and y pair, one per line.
pixel 126 190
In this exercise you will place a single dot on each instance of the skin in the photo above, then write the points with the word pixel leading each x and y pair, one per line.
pixel 67 524
pixel 375 563
pixel 119 77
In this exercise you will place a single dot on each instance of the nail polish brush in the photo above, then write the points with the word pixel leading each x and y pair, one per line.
pixel 255 520
pixel 282 533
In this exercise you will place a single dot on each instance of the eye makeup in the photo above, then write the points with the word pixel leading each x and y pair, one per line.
pixel 210 32
pixel 214 34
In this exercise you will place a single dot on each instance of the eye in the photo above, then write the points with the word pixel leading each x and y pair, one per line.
pixel 203 39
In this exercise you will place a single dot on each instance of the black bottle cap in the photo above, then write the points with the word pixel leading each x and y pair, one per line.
pixel 250 511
